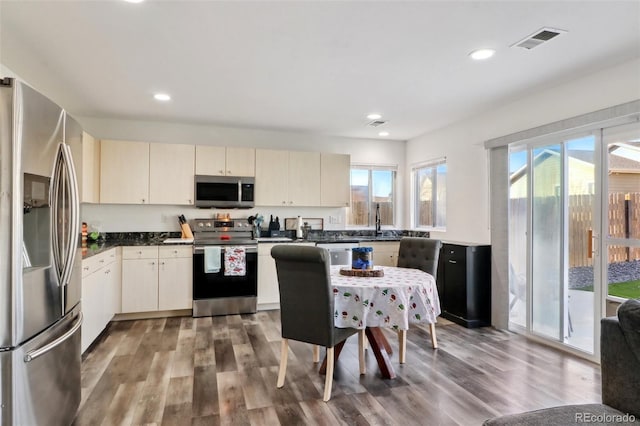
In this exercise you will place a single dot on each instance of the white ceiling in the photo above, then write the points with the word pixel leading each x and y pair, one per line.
pixel 312 66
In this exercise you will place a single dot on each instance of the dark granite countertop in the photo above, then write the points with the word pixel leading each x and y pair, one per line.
pixel 110 240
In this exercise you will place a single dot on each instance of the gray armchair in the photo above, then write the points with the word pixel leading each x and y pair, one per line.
pixel 307 306
pixel 418 253
pixel 620 363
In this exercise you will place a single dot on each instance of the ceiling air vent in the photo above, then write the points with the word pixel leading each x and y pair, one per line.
pixel 376 123
pixel 536 39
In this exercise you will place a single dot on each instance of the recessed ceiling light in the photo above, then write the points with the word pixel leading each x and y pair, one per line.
pixel 162 97
pixel 383 134
pixel 481 54
pixel 374 116
pixel 134 1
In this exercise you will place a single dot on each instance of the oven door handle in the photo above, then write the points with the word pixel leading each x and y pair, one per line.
pixel 248 249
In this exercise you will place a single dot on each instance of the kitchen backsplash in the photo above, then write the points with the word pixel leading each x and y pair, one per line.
pixel 156 218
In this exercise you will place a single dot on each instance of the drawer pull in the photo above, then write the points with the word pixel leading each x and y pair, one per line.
pixel 452 261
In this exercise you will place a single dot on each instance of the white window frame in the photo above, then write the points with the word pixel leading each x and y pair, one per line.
pixel 414 196
pixel 394 186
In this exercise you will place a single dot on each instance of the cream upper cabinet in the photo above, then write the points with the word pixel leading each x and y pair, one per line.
pixel 287 178
pixel 335 172
pixel 171 170
pixel 272 174
pixel 304 178
pixel 89 176
pixel 124 172
pixel 229 161
pixel 210 160
pixel 241 161
pixel 86 159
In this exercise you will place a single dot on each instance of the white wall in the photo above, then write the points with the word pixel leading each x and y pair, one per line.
pixel 125 218
pixel 462 142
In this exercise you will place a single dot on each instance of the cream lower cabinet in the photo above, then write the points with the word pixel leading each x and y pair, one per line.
pixel 156 278
pixel 268 290
pixel 385 253
pixel 139 279
pixel 175 289
pixel 100 294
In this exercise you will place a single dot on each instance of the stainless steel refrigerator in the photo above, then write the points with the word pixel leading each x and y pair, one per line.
pixel 40 261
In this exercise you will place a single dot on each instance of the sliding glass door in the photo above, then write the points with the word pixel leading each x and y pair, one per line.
pixel 552 217
pixel 622 209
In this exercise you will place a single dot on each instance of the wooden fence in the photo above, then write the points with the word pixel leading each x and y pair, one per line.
pixel 359 213
pixel 580 222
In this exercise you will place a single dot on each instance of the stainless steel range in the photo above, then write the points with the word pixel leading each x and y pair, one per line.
pixel 218 290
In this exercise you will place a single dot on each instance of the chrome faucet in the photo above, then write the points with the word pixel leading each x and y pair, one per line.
pixel 378 227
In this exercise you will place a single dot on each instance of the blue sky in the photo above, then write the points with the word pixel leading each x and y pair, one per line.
pixel 381 180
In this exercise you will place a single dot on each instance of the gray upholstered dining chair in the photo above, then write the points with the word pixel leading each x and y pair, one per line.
pixel 418 253
pixel 307 306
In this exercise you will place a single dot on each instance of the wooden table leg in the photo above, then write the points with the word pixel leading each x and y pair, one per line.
pixel 379 346
pixel 336 353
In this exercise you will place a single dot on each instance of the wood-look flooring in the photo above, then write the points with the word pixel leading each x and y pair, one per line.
pixel 223 370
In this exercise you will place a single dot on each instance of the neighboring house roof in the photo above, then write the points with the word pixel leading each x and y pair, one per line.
pixel 574 155
pixel 617 163
pixel 623 157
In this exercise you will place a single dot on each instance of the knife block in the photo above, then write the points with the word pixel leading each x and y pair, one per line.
pixel 186 231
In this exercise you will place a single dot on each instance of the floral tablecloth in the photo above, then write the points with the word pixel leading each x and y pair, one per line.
pixel 400 297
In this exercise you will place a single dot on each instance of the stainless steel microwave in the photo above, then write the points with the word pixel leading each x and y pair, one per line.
pixel 228 192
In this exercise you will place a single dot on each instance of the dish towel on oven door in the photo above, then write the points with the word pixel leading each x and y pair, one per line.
pixel 235 262
pixel 211 260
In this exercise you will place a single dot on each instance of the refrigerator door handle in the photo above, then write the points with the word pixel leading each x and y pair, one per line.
pixel 55 222
pixel 74 204
pixel 31 355
pixel 65 191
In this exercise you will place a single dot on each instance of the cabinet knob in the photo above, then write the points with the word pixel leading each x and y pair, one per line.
pixel 101 260
pixel 452 261
pixel 221 172
pixel 153 263
pixel 229 172
pixel 290 202
pixel 86 268
pixel 284 202
pixel 108 271
pixel 140 252
pixel 175 251
pixel 143 201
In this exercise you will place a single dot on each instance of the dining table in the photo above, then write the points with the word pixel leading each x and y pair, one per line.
pixel 397 298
